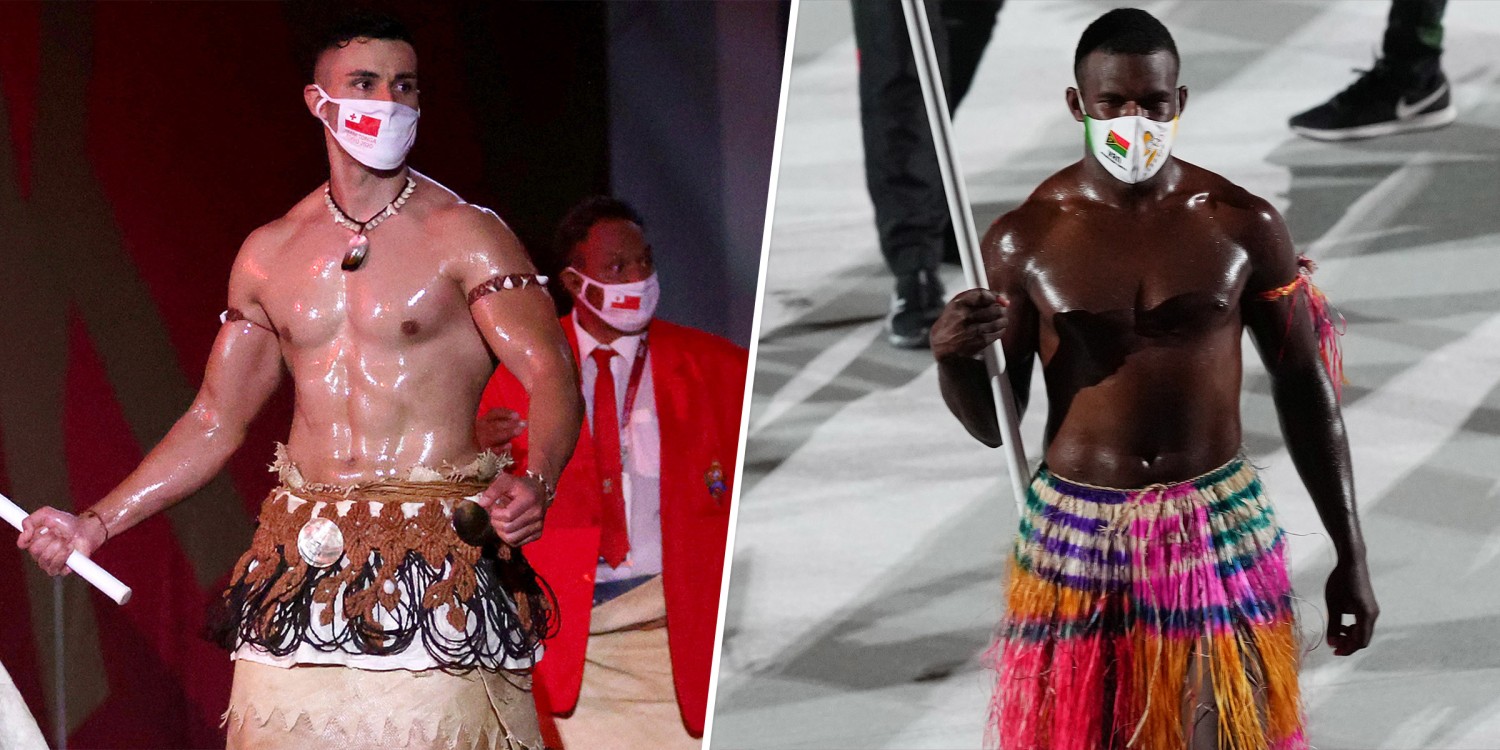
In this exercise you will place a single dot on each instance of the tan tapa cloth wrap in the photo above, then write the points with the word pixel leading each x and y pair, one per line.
pixel 627 701
pixel 406 591
pixel 329 707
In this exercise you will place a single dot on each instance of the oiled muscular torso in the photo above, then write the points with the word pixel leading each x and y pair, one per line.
pixel 386 362
pixel 1139 326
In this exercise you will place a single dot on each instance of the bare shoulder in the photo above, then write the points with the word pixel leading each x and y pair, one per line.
pixel 474 242
pixel 257 256
pixel 468 223
pixel 1251 220
pixel 472 234
pixel 254 269
pixel 1239 208
pixel 1013 240
pixel 1247 217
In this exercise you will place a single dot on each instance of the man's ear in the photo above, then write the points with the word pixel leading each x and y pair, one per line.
pixel 571 281
pixel 1181 99
pixel 310 96
pixel 1075 104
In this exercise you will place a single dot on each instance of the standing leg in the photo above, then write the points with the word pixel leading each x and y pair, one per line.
pixel 969 25
pixel 901 170
pixel 1200 713
pixel 1414 32
pixel 1406 91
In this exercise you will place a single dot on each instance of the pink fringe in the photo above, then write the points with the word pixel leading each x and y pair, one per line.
pixel 1097 655
pixel 1323 317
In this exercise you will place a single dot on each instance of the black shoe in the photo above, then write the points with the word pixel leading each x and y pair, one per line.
pixel 915 306
pixel 1384 101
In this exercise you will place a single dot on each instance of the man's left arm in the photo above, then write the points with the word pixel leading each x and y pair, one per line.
pixel 519 323
pixel 1277 310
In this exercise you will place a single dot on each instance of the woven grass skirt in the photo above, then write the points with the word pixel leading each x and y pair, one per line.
pixel 1133 616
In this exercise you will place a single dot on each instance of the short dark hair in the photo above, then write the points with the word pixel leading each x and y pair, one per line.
pixel 1126 31
pixel 575 225
pixel 360 23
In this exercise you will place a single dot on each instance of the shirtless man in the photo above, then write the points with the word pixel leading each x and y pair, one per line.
pixel 388 354
pixel 1132 274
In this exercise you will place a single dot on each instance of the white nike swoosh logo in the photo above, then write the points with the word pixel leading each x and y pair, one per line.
pixel 1406 111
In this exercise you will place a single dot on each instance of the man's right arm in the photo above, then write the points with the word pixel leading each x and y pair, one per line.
pixel 975 319
pixel 243 371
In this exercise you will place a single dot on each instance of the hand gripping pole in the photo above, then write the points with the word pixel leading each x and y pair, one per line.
pixel 959 208
pixel 86 569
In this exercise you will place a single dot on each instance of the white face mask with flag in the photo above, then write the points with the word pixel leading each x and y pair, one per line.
pixel 1132 148
pixel 378 134
pixel 627 307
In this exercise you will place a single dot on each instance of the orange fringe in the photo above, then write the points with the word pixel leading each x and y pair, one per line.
pixel 1125 627
pixel 1323 317
pixel 1053 692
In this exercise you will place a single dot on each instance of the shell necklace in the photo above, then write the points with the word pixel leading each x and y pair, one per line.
pixel 359 244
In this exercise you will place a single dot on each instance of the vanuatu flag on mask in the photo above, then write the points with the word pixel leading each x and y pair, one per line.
pixel 1117 143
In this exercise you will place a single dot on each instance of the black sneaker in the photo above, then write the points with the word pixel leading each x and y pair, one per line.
pixel 1384 101
pixel 915 306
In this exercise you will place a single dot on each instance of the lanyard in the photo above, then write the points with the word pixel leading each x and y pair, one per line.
pixel 637 372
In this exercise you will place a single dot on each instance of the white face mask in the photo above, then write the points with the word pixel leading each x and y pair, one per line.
pixel 1132 148
pixel 627 307
pixel 378 134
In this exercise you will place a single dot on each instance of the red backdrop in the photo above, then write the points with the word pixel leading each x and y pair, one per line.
pixel 139 144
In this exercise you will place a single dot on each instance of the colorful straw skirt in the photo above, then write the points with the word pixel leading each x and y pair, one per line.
pixel 1134 616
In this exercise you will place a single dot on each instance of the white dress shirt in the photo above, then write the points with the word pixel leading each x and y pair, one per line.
pixel 640 444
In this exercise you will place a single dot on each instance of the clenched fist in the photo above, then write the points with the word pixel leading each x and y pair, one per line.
pixel 50 535
pixel 1348 592
pixel 517 506
pixel 970 322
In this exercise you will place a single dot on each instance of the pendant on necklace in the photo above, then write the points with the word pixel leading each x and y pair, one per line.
pixel 359 247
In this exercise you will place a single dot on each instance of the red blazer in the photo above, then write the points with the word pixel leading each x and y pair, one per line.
pixel 699 384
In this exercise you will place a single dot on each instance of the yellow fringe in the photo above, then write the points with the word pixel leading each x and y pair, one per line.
pixel 1234 696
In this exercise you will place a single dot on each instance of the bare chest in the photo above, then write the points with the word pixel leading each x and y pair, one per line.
pixel 400 296
pixel 1156 281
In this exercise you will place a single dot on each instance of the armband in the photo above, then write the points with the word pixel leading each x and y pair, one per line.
pixel 511 281
pixel 233 315
pixel 1327 322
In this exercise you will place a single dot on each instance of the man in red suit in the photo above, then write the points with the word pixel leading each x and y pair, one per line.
pixel 634 544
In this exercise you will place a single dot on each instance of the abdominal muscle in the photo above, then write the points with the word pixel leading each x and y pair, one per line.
pixel 368 410
pixel 1168 414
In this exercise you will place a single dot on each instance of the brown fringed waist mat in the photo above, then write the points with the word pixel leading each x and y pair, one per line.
pixel 375 570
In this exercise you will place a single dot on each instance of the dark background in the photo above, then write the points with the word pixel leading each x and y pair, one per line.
pixel 141 142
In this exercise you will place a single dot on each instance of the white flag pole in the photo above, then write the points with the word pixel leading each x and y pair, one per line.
pixel 959 209
pixel 86 569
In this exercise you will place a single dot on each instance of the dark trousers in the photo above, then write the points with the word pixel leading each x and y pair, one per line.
pixel 901 168
pixel 1414 32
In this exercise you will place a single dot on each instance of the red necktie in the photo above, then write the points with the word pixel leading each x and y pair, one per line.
pixel 614 538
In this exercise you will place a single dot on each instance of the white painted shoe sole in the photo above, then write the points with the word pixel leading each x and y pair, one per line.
pixel 1429 121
